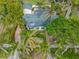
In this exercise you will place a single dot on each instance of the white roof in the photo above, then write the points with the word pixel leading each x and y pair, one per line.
pixel 34 6
pixel 27 11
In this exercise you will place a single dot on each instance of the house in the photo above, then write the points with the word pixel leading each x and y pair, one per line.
pixel 36 19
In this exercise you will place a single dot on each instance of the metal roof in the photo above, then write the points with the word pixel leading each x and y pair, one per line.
pixel 28 6
pixel 37 19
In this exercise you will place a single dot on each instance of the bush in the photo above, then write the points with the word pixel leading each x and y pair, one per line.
pixel 65 30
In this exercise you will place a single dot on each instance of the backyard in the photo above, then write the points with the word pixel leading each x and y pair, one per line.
pixel 49 30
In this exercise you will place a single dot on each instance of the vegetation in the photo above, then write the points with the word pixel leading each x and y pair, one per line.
pixel 64 30
pixel 60 40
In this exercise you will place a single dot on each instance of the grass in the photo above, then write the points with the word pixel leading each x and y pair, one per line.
pixel 69 54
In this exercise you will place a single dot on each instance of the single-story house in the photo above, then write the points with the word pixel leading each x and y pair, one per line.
pixel 36 19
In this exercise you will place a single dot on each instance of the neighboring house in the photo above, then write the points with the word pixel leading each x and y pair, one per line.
pixel 36 19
